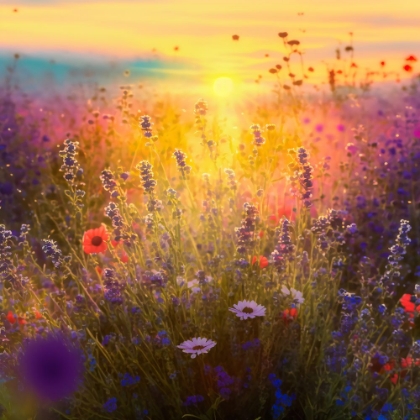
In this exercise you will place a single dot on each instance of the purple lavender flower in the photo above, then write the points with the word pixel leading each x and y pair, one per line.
pixel 245 234
pixel 70 165
pixel 52 251
pixel 113 288
pixel 110 184
pixel 301 178
pixel 180 157
pixel 146 176
pixel 285 249
pixel 146 126
pixel 51 367
pixel 256 131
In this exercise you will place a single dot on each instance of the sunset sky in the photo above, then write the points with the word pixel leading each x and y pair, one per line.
pixel 76 32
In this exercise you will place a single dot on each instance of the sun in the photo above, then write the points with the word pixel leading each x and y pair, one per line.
pixel 223 86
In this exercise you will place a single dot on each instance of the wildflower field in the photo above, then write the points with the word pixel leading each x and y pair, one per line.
pixel 158 263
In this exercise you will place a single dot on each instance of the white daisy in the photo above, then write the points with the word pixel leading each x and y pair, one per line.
pixel 197 346
pixel 295 294
pixel 245 309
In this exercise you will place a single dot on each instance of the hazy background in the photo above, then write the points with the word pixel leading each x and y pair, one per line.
pixel 67 40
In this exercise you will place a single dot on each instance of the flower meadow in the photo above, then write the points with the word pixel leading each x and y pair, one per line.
pixel 155 266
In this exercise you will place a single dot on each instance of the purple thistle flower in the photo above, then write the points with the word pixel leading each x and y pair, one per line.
pixel 51 367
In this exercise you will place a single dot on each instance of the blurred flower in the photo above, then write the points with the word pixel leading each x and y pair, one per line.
pixel 351 148
pixel 94 240
pixel 408 68
pixel 263 261
pixel 51 367
pixel 295 294
pixel 180 157
pixel 289 315
pixel 111 405
pixel 193 400
pixel 408 305
pixel 10 317
pixel 197 346
pixel 411 58
pixel 256 131
pixel 146 126
pixel 128 379
pixel 200 107
pixel 193 286
pixel 247 309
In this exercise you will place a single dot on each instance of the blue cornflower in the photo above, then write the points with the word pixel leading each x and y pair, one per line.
pixel 110 405
pixel 128 379
pixel 193 400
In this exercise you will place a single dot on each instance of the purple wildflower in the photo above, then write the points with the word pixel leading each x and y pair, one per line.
pixel 111 405
pixel 245 234
pixel 256 131
pixel 146 126
pixel 51 367
pixel 180 157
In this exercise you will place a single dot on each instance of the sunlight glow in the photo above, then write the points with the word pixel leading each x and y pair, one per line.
pixel 223 86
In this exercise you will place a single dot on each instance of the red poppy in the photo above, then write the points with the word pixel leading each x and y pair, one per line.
pixel 382 63
pixel 289 315
pixel 37 314
pixel 21 320
pixel 388 366
pixel 114 243
pixel 94 240
pixel 408 305
pixel 411 58
pixel 10 317
pixel 98 270
pixel 408 68
pixel 124 258
pixel 405 363
pixel 263 261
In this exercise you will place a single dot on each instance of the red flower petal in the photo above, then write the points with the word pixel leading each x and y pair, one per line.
pixel 10 317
